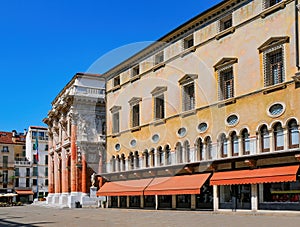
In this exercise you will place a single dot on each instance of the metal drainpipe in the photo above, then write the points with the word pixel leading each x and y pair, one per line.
pixel 297 34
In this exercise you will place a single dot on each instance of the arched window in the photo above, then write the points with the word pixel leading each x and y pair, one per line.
pixel 131 161
pixel 223 146
pixel 200 152
pixel 293 132
pixel 136 160
pixel 113 163
pixel 152 158
pixel 123 162
pixel 245 142
pixel 208 144
pixel 146 158
pixel 118 164
pixel 234 144
pixel 168 155
pixel 160 154
pixel 187 151
pixel 265 139
pixel 278 137
pixel 179 153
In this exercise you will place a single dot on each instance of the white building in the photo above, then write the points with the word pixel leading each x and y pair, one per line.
pixel 39 170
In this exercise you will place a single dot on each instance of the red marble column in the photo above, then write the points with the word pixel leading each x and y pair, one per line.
pixel 73 158
pixel 64 171
pixel 83 174
pixel 50 175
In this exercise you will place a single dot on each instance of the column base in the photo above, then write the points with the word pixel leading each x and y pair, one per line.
pixel 63 199
pixel 49 198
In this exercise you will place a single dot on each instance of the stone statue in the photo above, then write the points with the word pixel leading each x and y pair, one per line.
pixel 93 176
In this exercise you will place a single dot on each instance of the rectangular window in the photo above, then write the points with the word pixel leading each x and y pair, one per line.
pixel 46 182
pixel 274 69
pixel 17 172
pixel 5 149
pixel 34 135
pixel 188 42
pixel 159 58
pixel 46 172
pixel 135 71
pixel 27 172
pixel 269 3
pixel 188 97
pixel 226 84
pixel 34 182
pixel 5 177
pixel 5 161
pixel 46 147
pixel 117 81
pixel 159 104
pixel 17 182
pixel 135 115
pixel 46 159
pixel 35 171
pixel 116 122
pixel 226 23
pixel 27 182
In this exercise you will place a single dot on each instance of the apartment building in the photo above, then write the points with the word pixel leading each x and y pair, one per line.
pixel 207 117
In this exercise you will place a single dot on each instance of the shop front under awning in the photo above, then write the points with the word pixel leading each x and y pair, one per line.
pixel 177 185
pixel 124 188
pixel 256 176
pixel 24 192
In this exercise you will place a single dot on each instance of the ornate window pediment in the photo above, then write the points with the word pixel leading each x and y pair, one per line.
pixel 134 100
pixel 115 109
pixel 272 42
pixel 187 78
pixel 158 90
pixel 225 62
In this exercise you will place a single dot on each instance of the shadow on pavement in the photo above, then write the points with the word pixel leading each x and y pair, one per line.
pixel 4 222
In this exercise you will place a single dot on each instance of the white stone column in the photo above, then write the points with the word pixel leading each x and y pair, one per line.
pixel 286 138
pixel 254 197
pixel 229 147
pixel 216 198
pixel 241 146
pixel 272 141
pixel 156 202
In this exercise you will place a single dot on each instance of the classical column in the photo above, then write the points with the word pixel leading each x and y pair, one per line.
pixel 286 138
pixel 174 202
pixel 216 198
pixel 241 146
pixel 83 173
pixel 193 201
pixel 254 197
pixel 73 157
pixel 272 140
pixel 64 171
pixel 50 175
pixel 57 172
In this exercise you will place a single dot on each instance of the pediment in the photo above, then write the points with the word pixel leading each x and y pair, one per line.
pixel 134 100
pixel 273 41
pixel 158 90
pixel 225 62
pixel 115 109
pixel 187 78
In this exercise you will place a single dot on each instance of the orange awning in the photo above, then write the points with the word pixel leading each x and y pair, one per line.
pixel 24 192
pixel 255 176
pixel 124 188
pixel 176 185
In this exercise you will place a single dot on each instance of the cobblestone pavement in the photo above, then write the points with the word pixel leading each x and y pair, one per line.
pixel 33 215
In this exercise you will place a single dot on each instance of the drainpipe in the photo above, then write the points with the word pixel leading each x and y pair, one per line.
pixel 297 34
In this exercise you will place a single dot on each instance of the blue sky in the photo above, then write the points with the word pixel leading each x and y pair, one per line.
pixel 44 43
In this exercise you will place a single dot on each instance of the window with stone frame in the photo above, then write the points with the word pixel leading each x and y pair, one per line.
pixel 135 111
pixel 245 142
pixel 135 71
pixel 159 102
pixel 269 3
pixel 116 123
pixel 159 58
pixel 188 96
pixel 225 73
pixel 116 81
pixel 115 111
pixel 188 42
pixel 278 137
pixel 223 146
pixel 226 83
pixel 274 66
pixel 225 22
pixel 234 144
pixel 273 60
pixel 265 139
pixel 293 134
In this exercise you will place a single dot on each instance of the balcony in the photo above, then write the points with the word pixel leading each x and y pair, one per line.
pixel 87 91
pixel 22 162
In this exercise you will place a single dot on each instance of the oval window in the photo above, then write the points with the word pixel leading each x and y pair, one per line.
pixel 202 127
pixel 133 143
pixel 181 132
pixel 155 138
pixel 232 120
pixel 276 109
pixel 117 147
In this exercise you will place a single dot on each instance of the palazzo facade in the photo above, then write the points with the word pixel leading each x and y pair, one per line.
pixel 207 117
pixel 76 129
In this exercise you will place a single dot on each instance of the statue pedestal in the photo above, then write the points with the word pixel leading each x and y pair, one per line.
pixel 93 191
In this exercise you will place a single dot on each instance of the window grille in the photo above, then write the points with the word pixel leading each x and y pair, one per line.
pixel 189 97
pixel 226 83
pixel 136 115
pixel 159 104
